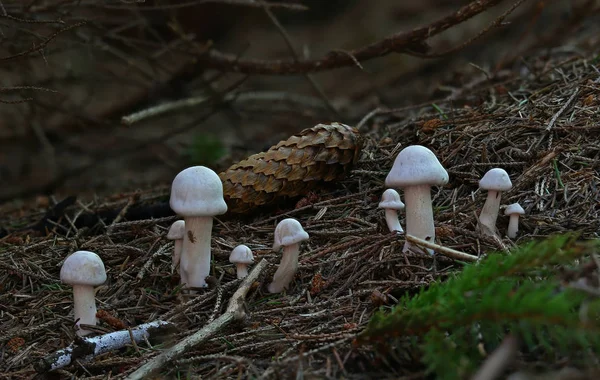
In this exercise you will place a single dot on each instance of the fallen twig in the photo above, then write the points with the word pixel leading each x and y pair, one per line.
pixel 88 348
pixel 452 253
pixel 235 311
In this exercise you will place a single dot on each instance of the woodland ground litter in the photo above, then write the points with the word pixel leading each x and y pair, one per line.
pixel 538 120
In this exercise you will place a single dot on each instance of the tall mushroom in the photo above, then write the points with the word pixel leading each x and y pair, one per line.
pixel 176 233
pixel 513 211
pixel 390 201
pixel 83 270
pixel 197 195
pixel 495 181
pixel 288 234
pixel 415 170
pixel 241 256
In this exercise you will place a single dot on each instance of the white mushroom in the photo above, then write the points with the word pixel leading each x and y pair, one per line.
pixel 415 170
pixel 83 270
pixel 176 233
pixel 513 211
pixel 288 234
pixel 495 181
pixel 390 201
pixel 197 195
pixel 241 256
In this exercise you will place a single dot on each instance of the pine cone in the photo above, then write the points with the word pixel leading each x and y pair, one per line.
pixel 293 167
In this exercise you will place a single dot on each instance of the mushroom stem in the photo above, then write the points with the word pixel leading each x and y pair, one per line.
pixel 195 254
pixel 393 223
pixel 489 213
pixel 177 255
pixel 419 216
pixel 513 226
pixel 242 270
pixel 287 268
pixel 84 304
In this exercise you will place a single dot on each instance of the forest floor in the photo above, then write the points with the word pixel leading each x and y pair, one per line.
pixel 538 119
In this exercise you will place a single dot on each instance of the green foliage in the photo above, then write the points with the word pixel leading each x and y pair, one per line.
pixel 518 293
pixel 206 150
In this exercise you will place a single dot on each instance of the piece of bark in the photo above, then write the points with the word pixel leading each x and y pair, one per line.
pixel 293 167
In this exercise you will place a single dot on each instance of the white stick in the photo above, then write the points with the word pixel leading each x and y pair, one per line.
pixel 235 311
pixel 452 253
pixel 88 348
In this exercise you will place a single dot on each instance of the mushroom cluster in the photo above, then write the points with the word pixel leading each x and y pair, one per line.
pixel 415 170
pixel 197 195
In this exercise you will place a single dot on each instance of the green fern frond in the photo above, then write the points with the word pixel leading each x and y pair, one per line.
pixel 515 293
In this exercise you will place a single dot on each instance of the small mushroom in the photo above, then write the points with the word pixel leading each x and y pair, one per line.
pixel 390 201
pixel 176 233
pixel 415 170
pixel 197 195
pixel 83 270
pixel 513 211
pixel 495 181
pixel 241 256
pixel 288 234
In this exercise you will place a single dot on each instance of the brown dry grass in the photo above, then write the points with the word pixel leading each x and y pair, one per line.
pixel 540 122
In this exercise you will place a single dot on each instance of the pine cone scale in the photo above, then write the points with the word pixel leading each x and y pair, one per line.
pixel 292 167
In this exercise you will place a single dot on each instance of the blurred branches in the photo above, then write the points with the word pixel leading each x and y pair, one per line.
pixel 412 43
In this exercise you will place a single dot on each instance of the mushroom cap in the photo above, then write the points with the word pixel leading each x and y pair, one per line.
pixel 416 165
pixel 177 230
pixel 83 268
pixel 289 231
pixel 514 208
pixel 197 191
pixel 495 179
pixel 391 200
pixel 241 255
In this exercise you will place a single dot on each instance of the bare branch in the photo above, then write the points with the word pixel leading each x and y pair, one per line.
pixel 246 3
pixel 404 42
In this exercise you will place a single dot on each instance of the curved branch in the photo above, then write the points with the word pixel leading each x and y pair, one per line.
pixel 403 42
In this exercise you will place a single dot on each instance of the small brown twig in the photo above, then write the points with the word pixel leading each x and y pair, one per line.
pixel 44 43
pixel 235 311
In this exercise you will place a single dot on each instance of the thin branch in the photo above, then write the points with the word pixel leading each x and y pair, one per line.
pixel 494 24
pixel 562 109
pixel 405 42
pixel 288 40
pixel 42 44
pixel 236 99
pixel 245 3
pixel 235 311
pixel 452 253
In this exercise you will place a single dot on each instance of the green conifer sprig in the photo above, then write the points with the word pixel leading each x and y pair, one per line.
pixel 518 293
